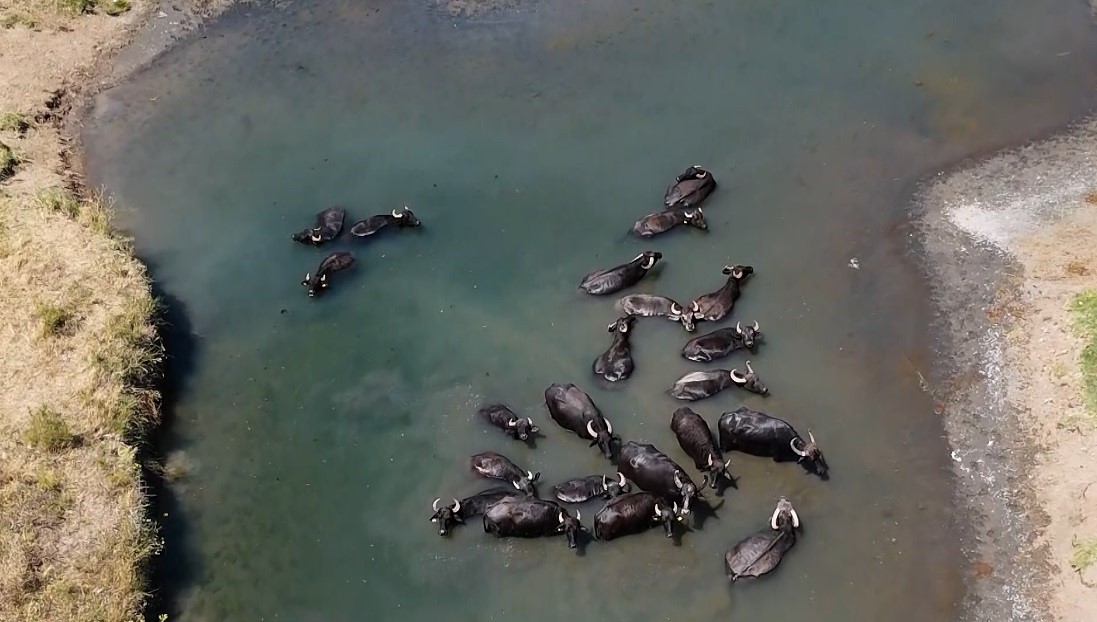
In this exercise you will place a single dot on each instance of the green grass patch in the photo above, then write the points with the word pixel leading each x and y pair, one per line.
pixel 114 7
pixel 56 320
pixel 75 7
pixel 1085 554
pixel 13 122
pixel 48 431
pixel 1084 306
pixel 15 18
pixel 59 201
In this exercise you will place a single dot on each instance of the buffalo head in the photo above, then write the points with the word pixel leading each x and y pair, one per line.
pixel 447 517
pixel 738 272
pixel 525 483
pixel 668 516
pixel 749 335
pixel 570 527
pixel 649 258
pixel 617 487
pixel 695 218
pixel 315 284
pixel 687 489
pixel 622 325
pixel 405 218
pixel 811 458
pixel 679 315
pixel 784 516
pixel 714 470
pixel 751 382
pixel 604 439
pixel 522 429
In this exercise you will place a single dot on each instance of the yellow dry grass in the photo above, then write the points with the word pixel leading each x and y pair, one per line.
pixel 78 349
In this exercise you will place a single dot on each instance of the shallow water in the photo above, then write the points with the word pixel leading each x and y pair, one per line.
pixel 528 140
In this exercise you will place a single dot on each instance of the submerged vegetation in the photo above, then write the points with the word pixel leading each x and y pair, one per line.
pixel 1085 320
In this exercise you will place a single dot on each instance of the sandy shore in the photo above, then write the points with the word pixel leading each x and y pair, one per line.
pixel 1008 243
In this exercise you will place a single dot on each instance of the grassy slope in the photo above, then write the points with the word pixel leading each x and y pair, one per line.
pixel 78 352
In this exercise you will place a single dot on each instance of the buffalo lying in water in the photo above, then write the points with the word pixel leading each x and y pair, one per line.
pixel 611 280
pixel 583 489
pixel 760 553
pixel 647 305
pixel 655 472
pixel 701 384
pixel 695 438
pixel 449 516
pixel 759 434
pixel 532 518
pixel 661 222
pixel 634 513
pixel 329 224
pixel 397 219
pixel 690 188
pixel 573 410
pixel 335 262
pixel 616 363
pixel 715 306
pixel 496 466
pixel 511 424
pixel 722 342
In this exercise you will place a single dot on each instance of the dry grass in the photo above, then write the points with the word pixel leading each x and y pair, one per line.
pixel 49 14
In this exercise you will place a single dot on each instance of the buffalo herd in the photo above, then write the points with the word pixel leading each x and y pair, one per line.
pixel 647 488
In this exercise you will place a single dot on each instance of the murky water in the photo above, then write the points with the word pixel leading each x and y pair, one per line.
pixel 528 140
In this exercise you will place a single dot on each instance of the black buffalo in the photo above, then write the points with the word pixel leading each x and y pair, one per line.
pixel 496 466
pixel 701 384
pixel 335 262
pixel 759 434
pixel 616 363
pixel 715 306
pixel 647 305
pixel 329 224
pixel 634 513
pixel 373 224
pixel 722 342
pixel 531 518
pixel 654 471
pixel 602 282
pixel 448 516
pixel 572 408
pixel 582 489
pixel 661 222
pixel 690 188
pixel 695 438
pixel 760 553
pixel 504 418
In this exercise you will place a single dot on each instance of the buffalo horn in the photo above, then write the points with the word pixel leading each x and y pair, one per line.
pixel 756 328
pixel 512 423
pixel 739 327
pixel 709 465
pixel 609 426
pixel 456 506
pixel 308 275
pixel 648 263
pixel 728 463
pixel 621 477
pixel 577 515
pixel 737 274
pixel 792 444
pixel 750 370
pixel 561 517
pixel 677 479
pixel 395 215
pixel 434 506
pixel 658 514
pixel 773 518
pixel 676 308
pixel 315 235
pixel 529 474
pixel 590 429
pixel 530 421
pixel 736 378
pixel 696 307
pixel 605 482
pixel 795 519
pixel 675 508
pixel 611 326
pixel 323 277
pixel 811 436
pixel 638 257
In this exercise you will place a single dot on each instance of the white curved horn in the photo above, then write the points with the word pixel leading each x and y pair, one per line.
pixel 395 215
pixel 756 328
pixel 529 474
pixel 658 514
pixel 736 378
pixel 676 308
pixel 512 423
pixel 648 263
pixel 811 436
pixel 577 515
pixel 709 465
pixel 590 429
pixel 675 508
pixel 605 482
pixel 434 506
pixel 456 506
pixel 737 274
pixel 750 370
pixel 529 421
pixel 773 519
pixel 621 478
pixel 308 275
pixel 609 426
pixel 739 327
pixel 677 479
pixel 795 519
pixel 561 517
pixel 727 463
pixel 792 444
pixel 516 486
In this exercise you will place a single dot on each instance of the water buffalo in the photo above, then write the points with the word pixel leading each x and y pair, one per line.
pixel 496 466
pixel 504 418
pixel 634 513
pixel 573 409
pixel 759 434
pixel 715 306
pixel 602 282
pixel 690 188
pixel 695 438
pixel 654 471
pixel 616 363
pixel 582 489
pixel 647 305
pixel 531 518
pixel 760 553
pixel 449 516
pixel 661 222
pixel 373 224
pixel 329 224
pixel 335 262
pixel 701 384
pixel 722 342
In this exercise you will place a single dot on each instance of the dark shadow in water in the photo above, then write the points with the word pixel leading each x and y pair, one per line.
pixel 704 511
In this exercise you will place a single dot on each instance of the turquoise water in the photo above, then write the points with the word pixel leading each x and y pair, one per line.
pixel 528 140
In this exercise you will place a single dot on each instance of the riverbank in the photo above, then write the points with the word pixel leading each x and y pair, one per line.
pixel 1008 245
pixel 79 351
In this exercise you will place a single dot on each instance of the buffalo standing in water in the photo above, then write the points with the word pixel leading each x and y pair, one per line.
pixel 634 513
pixel 690 188
pixel 655 472
pixel 572 408
pixel 583 489
pixel 759 434
pixel 373 224
pixel 616 363
pixel 647 305
pixel 701 384
pixel 329 224
pixel 602 282
pixel 335 262
pixel 449 516
pixel 531 518
pixel 695 438
pixel 496 466
pixel 722 342
pixel 661 222
pixel 504 418
pixel 715 306
pixel 760 553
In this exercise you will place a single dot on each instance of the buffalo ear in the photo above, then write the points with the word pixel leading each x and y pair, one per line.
pixel 593 443
pixel 535 429
pixel 536 476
